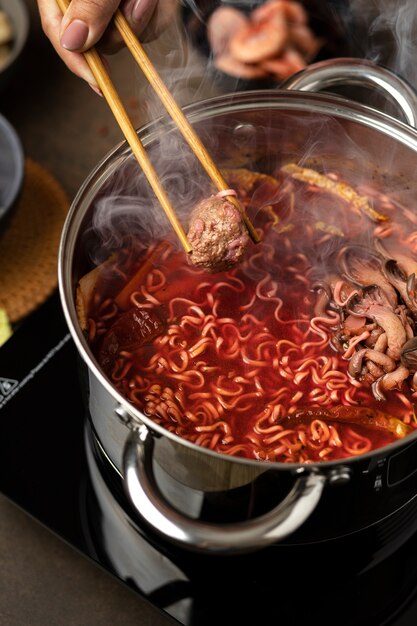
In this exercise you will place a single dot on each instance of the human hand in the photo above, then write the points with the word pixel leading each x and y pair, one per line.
pixel 87 23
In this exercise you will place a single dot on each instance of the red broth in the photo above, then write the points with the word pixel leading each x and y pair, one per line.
pixel 243 362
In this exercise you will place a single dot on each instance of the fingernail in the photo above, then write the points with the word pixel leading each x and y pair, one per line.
pixel 139 10
pixel 75 35
pixel 96 89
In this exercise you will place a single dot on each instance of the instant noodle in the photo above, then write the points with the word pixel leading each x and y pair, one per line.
pixel 295 355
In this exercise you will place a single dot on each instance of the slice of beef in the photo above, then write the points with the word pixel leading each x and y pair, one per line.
pixel 217 234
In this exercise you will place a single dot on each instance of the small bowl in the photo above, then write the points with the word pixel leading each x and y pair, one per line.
pixel 12 167
pixel 18 15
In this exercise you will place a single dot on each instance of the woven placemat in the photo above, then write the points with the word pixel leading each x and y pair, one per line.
pixel 29 243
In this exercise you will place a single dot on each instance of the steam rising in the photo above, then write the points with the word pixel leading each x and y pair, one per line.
pixel 128 205
pixel 391 29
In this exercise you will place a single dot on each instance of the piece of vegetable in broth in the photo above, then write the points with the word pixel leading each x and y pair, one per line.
pixel 366 416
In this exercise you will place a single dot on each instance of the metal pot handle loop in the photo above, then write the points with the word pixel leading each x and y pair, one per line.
pixel 197 535
pixel 359 72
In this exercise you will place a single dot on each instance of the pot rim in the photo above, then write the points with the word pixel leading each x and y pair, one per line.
pixel 322 103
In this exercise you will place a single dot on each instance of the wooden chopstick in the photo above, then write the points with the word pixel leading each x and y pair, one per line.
pixel 109 92
pixel 177 114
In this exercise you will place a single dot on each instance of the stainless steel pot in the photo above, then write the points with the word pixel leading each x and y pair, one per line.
pixel 166 477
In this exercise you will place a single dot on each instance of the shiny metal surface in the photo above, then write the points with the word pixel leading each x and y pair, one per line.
pixel 294 121
pixel 357 72
pixel 253 534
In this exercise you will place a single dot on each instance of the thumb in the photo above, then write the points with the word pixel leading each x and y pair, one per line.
pixel 84 23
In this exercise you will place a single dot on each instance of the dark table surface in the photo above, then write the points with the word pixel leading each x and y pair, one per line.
pixel 67 128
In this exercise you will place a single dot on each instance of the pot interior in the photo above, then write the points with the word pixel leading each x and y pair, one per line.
pixel 257 131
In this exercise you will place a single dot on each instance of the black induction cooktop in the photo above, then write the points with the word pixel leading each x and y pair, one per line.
pixel 46 469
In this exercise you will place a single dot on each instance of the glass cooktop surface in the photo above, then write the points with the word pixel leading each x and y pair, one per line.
pixel 47 469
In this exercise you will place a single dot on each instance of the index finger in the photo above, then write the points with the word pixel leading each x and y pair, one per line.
pixel 51 19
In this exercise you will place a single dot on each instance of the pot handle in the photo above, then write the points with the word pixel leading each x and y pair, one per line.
pixel 201 536
pixel 359 72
